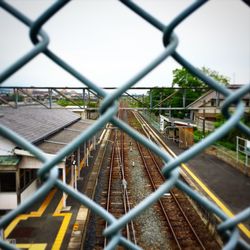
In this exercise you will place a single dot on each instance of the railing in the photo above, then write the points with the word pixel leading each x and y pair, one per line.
pixel 108 109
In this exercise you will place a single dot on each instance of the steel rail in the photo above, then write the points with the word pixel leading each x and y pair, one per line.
pixel 109 186
pixel 177 202
pixel 144 127
pixel 159 201
pixel 126 196
pixel 121 164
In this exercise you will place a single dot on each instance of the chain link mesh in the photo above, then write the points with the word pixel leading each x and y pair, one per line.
pixel 49 172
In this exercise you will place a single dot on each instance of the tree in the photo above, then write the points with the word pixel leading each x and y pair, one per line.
pixel 184 79
pixel 194 86
pixel 158 96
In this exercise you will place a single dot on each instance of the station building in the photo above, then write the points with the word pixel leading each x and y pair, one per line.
pixel 48 129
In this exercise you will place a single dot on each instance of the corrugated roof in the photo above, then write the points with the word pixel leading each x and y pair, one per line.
pixel 56 142
pixel 36 122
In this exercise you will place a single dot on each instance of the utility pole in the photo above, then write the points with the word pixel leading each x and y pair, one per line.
pixel 16 97
pixel 160 103
pixel 151 102
pixel 204 120
pixel 184 98
pixel 50 98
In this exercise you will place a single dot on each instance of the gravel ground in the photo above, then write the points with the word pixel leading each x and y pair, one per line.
pixel 151 235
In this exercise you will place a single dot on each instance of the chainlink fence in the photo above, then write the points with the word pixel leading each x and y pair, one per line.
pixel 108 109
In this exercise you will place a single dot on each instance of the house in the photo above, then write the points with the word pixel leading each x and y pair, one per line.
pixel 48 129
pixel 208 107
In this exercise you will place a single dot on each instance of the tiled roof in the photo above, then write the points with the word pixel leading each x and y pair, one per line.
pixel 56 142
pixel 35 122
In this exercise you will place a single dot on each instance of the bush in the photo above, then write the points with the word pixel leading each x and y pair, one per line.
pixel 65 102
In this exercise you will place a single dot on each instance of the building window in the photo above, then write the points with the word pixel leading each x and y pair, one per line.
pixel 27 176
pixel 213 102
pixel 8 182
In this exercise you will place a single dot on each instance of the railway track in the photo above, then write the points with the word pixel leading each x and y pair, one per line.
pixel 181 229
pixel 184 235
pixel 123 184
pixel 115 194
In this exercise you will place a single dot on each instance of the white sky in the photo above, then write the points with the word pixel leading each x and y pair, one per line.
pixel 109 44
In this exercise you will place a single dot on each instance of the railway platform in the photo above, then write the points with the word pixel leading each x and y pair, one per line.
pixel 228 183
pixel 223 184
pixel 45 225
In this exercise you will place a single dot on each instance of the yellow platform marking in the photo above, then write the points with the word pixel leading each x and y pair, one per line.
pixel 61 233
pixel 37 213
pixel 65 223
pixel 82 163
pixel 67 216
pixel 32 246
pixel 219 203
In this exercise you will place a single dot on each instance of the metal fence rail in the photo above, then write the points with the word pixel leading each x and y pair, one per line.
pixel 108 109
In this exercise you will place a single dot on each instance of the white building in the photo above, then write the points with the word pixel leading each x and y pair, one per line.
pixel 48 129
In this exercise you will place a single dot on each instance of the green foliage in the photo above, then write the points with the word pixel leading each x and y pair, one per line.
pixel 230 137
pixel 229 140
pixel 65 102
pixel 184 79
pixel 226 144
pixel 198 135
pixel 192 86
pixel 92 104
pixel 216 76
pixel 12 97
pixel 80 102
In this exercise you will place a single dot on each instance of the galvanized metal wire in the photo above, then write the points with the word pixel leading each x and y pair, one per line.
pixel 49 172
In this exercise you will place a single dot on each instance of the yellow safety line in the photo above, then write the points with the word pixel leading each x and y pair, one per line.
pixel 220 204
pixel 61 233
pixel 32 246
pixel 65 223
pixel 84 158
pixel 37 213
pixel 82 163
pixel 67 217
pixel 57 213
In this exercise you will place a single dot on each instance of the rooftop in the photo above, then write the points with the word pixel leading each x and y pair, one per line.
pixel 56 142
pixel 35 122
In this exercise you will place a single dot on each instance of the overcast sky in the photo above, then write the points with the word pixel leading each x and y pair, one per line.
pixel 109 44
